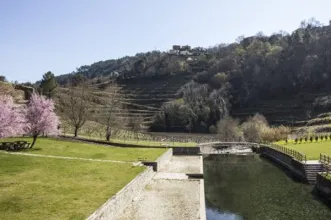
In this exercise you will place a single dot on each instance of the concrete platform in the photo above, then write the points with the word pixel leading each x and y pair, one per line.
pixel 183 164
pixel 171 195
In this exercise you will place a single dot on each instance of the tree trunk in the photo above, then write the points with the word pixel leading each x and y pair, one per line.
pixel 76 131
pixel 108 133
pixel 34 140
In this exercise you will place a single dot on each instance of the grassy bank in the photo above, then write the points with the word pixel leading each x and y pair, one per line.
pixel 44 188
pixel 311 149
pixel 49 146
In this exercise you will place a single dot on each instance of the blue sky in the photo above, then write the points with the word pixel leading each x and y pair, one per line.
pixel 37 36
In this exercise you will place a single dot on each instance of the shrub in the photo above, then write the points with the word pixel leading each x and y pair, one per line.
pixel 254 127
pixel 3 78
pixel 301 140
pixel 311 139
pixel 321 137
pixel 296 140
pixel 228 129
pixel 326 137
pixel 213 129
pixel 306 139
pixel 316 138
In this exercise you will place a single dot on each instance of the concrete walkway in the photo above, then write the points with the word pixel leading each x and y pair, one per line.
pixel 171 195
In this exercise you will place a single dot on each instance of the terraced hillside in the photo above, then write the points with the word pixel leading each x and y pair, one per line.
pixel 144 96
pixel 297 110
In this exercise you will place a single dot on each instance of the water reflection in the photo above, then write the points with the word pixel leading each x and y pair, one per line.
pixel 248 187
pixel 214 214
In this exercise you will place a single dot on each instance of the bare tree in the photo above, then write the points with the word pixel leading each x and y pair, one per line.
pixel 135 124
pixel 75 107
pixel 114 112
pixel 228 129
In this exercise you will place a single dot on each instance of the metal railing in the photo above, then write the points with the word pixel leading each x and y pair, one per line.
pixel 294 153
pixel 325 159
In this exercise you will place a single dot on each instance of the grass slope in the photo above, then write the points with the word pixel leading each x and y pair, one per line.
pixel 312 150
pixel 48 146
pixel 43 188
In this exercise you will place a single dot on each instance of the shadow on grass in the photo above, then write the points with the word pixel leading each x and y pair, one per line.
pixel 32 149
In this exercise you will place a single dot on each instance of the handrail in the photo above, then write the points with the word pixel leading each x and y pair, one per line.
pixel 294 153
pixel 325 159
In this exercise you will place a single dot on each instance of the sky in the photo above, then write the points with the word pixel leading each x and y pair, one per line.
pixel 37 36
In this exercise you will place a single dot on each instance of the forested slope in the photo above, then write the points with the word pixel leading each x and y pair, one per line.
pixel 284 76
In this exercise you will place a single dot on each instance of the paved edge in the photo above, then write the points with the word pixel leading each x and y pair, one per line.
pixel 203 215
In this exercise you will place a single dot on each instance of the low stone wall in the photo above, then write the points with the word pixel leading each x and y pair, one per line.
pixel 164 159
pixel 115 206
pixel 186 150
pixel 203 215
pixel 160 162
pixel 323 185
pixel 296 167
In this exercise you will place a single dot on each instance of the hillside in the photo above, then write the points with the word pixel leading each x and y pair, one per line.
pixel 284 76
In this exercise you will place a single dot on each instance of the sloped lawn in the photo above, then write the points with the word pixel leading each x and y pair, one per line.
pixel 45 188
pixel 50 146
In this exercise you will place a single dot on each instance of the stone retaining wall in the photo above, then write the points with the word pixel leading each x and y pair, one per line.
pixel 296 167
pixel 115 206
pixel 323 185
pixel 164 159
pixel 161 162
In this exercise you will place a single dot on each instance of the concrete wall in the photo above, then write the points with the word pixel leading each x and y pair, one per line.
pixel 323 185
pixel 115 206
pixel 164 159
pixel 203 215
pixel 296 167
pixel 160 162
pixel 186 150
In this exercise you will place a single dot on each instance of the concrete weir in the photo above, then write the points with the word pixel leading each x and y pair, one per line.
pixel 172 193
pixel 170 188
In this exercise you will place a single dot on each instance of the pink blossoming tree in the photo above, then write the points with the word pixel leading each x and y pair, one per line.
pixel 11 120
pixel 41 118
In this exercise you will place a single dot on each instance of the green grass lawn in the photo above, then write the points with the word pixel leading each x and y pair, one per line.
pixel 312 150
pixel 44 188
pixel 49 146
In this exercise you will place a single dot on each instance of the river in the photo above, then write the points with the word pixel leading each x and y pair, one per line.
pixel 253 188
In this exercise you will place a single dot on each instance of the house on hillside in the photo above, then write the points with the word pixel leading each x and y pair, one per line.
pixel 176 47
pixel 114 74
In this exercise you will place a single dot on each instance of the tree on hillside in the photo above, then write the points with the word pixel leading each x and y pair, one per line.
pixel 3 78
pixel 228 129
pixel 48 84
pixel 40 117
pixel 75 107
pixel 11 120
pixel 254 127
pixel 113 105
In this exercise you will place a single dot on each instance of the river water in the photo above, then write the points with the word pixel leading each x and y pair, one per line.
pixel 250 187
